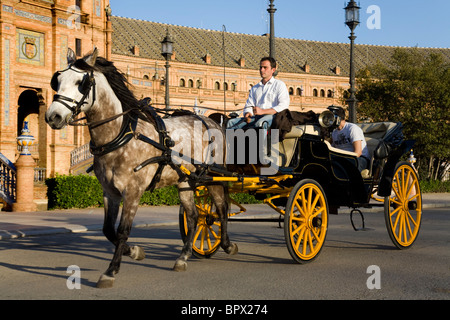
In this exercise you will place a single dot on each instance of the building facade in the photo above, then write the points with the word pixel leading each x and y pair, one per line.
pixel 35 36
pixel 211 70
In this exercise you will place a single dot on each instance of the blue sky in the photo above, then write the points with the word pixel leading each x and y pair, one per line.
pixel 399 22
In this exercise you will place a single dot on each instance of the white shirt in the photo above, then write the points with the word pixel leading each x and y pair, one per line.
pixel 344 138
pixel 273 94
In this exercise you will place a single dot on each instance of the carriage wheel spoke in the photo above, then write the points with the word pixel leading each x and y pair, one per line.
pixel 307 222
pixel 403 220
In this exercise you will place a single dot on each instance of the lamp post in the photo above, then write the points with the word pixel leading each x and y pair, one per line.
pixel 352 20
pixel 166 51
pixel 271 11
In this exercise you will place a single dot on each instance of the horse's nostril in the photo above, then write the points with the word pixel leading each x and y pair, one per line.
pixel 54 120
pixel 57 119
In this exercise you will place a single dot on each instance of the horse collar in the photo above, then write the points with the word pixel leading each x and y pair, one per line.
pixel 125 135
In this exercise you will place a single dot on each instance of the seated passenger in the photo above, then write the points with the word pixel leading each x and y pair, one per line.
pixel 348 136
pixel 265 99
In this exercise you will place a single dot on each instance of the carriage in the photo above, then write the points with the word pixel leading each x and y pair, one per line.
pixel 314 179
pixel 300 176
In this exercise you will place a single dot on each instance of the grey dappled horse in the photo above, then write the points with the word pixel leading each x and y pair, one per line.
pixel 94 86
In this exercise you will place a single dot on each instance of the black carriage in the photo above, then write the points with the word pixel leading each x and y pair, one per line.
pixel 314 179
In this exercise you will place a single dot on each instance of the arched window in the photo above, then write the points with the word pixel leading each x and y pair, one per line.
pixel 233 86
pixel 291 91
pixel 315 93
pixel 217 85
pixel 190 83
pixel 330 94
pixel 182 82
pixel 146 77
pixel 299 91
pixel 322 93
pixel 225 86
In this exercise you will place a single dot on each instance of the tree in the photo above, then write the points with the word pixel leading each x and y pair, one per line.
pixel 414 89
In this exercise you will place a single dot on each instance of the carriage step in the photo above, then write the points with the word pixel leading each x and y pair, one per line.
pixel 358 226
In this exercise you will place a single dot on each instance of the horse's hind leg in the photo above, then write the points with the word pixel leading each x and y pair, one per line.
pixel 120 241
pixel 219 195
pixel 187 201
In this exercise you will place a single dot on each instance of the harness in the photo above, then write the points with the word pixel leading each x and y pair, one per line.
pixel 85 87
pixel 128 131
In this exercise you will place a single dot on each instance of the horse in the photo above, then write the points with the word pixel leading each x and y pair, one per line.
pixel 94 86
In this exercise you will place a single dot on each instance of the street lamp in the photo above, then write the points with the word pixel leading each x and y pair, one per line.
pixel 271 11
pixel 352 20
pixel 166 51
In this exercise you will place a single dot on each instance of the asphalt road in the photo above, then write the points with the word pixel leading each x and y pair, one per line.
pixel 37 267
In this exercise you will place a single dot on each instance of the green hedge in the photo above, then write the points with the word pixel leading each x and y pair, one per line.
pixel 84 191
pixel 427 186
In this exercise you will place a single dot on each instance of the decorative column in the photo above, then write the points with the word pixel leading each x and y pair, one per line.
pixel 25 173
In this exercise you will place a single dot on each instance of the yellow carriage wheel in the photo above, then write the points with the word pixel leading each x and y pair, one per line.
pixel 306 221
pixel 403 208
pixel 207 232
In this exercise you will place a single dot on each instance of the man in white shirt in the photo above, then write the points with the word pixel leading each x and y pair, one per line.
pixel 348 136
pixel 265 98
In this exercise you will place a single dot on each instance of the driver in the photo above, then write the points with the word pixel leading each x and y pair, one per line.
pixel 348 136
pixel 265 99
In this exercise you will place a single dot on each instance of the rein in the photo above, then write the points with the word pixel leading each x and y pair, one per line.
pixel 95 124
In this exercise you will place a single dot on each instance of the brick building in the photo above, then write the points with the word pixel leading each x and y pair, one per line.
pixel 35 36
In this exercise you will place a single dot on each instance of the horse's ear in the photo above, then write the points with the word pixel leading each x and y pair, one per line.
pixel 70 56
pixel 92 57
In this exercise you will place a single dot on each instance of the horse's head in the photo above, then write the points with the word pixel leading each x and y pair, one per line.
pixel 75 91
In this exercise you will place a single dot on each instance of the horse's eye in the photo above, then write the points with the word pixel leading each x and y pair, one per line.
pixel 78 82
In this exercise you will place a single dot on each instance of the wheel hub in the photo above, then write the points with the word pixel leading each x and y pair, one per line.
pixel 316 222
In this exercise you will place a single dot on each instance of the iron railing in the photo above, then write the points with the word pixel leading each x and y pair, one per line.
pixel 80 154
pixel 7 180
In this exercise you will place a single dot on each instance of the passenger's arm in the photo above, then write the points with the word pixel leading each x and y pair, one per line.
pixel 357 146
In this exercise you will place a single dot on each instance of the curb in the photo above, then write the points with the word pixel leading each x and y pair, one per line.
pixel 15 234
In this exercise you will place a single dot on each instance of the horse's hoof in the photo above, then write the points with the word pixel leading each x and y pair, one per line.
pixel 232 249
pixel 105 282
pixel 180 265
pixel 137 253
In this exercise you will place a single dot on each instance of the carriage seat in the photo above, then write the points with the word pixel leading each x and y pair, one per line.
pixel 374 133
pixel 287 146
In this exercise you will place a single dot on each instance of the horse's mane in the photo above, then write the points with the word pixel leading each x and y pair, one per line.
pixel 115 78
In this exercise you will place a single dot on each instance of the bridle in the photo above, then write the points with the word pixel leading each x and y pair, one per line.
pixel 85 87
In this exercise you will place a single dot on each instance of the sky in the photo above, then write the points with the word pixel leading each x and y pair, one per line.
pixel 382 22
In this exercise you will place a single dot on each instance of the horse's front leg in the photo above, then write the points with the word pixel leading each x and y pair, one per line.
pixel 187 201
pixel 123 231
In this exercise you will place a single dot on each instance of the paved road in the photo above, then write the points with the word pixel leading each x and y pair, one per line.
pixel 36 267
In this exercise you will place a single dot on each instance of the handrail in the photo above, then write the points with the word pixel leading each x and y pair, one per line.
pixel 80 154
pixel 8 178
